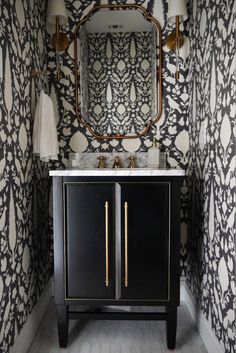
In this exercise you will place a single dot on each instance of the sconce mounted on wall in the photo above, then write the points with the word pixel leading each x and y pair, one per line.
pixel 57 16
pixel 177 13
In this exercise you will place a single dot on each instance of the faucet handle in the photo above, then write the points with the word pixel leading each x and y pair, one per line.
pixel 102 161
pixel 132 162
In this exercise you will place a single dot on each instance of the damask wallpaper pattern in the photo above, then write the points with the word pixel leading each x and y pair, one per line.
pixel 24 187
pixel 83 57
pixel 211 245
pixel 120 82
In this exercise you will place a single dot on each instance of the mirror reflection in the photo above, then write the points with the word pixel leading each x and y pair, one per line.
pixel 119 84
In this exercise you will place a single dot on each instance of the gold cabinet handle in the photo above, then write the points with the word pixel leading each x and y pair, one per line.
pixel 106 243
pixel 126 243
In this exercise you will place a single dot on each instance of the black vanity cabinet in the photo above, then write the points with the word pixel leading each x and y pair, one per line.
pixel 116 242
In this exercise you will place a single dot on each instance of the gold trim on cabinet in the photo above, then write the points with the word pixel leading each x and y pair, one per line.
pixel 126 244
pixel 106 243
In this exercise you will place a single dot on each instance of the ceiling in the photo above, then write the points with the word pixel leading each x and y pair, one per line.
pixel 106 20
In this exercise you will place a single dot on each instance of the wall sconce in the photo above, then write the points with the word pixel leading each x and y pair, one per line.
pixel 177 12
pixel 57 15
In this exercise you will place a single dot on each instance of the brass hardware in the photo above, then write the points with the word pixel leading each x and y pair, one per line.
pixel 60 43
pixel 132 162
pixel 177 47
pixel 41 76
pixel 174 42
pixel 149 18
pixel 171 41
pixel 177 75
pixel 106 244
pixel 102 161
pixel 38 73
pixel 117 163
pixel 126 243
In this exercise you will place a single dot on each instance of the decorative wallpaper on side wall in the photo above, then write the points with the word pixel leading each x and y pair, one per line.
pixel 211 246
pixel 174 123
pixel 24 187
pixel 83 57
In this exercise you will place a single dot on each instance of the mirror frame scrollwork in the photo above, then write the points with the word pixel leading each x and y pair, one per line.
pixel 159 70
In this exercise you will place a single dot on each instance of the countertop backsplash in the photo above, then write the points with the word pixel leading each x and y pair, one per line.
pixel 90 160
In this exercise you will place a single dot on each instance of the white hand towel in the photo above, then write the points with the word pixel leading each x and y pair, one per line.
pixel 45 142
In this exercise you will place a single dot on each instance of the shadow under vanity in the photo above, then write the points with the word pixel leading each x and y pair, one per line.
pixel 117 231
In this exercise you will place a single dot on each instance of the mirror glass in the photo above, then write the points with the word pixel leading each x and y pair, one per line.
pixel 118 59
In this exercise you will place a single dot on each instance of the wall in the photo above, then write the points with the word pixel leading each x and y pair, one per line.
pixel 24 225
pixel 25 244
pixel 211 248
pixel 173 124
pixel 120 82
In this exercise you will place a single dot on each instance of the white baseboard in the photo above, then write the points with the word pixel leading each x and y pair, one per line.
pixel 26 336
pixel 203 326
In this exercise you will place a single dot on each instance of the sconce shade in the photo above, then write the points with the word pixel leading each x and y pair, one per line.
pixel 57 8
pixel 177 8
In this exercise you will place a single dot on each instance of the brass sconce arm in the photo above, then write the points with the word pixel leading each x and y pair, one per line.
pixel 176 38
pixel 177 11
pixel 60 41
pixel 57 14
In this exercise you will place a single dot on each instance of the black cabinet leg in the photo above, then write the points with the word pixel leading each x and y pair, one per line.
pixel 62 324
pixel 171 323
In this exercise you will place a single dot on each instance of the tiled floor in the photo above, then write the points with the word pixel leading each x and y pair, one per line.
pixel 117 336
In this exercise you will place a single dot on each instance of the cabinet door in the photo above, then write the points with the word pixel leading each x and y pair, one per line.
pixel 89 240
pixel 145 241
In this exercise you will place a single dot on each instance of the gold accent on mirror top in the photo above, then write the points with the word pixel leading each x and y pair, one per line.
pixel 158 75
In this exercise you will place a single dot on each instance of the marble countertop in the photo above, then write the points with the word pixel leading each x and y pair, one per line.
pixel 118 172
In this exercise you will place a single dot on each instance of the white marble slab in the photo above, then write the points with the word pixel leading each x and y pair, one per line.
pixel 118 172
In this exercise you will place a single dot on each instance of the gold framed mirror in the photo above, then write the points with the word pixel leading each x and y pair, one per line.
pixel 118 71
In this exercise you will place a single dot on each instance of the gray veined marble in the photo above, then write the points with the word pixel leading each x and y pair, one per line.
pixel 90 160
pixel 118 172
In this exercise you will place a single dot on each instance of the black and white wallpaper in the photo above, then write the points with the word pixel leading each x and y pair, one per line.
pixel 211 266
pixel 197 128
pixel 24 187
pixel 120 82
pixel 83 60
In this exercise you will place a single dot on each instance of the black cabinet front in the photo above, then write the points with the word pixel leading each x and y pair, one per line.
pixel 89 240
pixel 145 241
pixel 142 263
